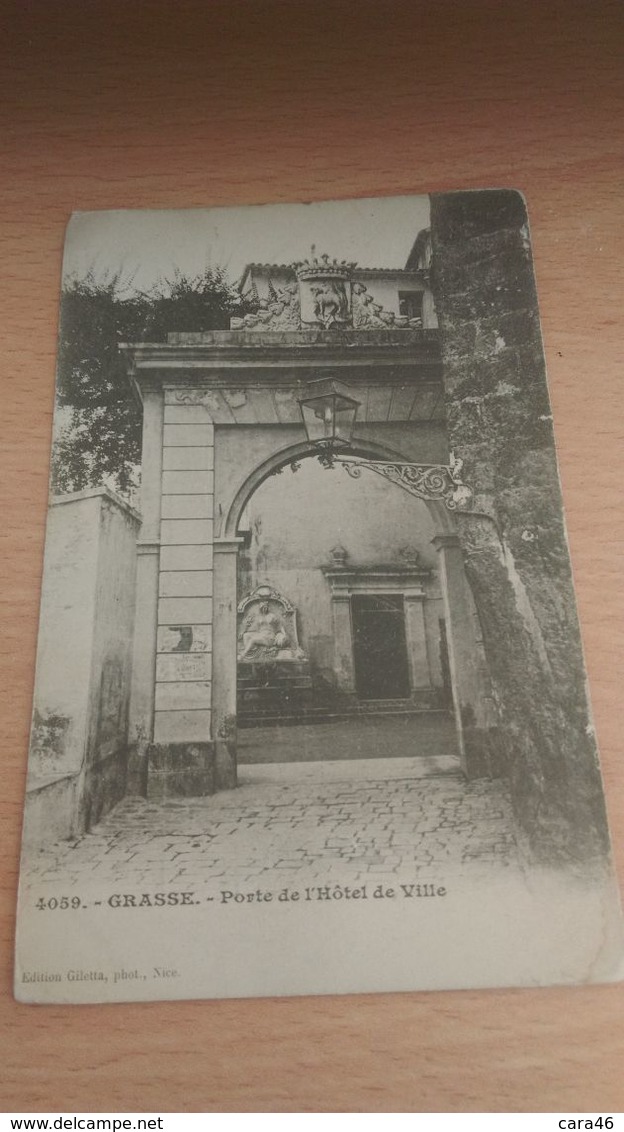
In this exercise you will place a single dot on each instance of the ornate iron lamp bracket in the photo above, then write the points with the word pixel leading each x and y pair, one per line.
pixel 440 482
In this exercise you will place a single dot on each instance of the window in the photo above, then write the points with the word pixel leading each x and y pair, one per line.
pixel 410 304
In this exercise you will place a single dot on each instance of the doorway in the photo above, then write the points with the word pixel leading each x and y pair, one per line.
pixel 379 646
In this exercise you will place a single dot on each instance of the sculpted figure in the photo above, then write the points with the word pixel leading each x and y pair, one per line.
pixel 262 630
pixel 330 302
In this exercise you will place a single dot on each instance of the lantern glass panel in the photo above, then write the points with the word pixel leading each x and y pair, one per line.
pixel 328 413
pixel 318 418
pixel 345 410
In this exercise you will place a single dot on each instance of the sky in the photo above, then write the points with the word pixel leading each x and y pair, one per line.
pixel 148 244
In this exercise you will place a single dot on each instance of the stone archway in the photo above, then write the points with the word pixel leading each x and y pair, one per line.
pixel 465 662
pixel 370 449
pixel 221 412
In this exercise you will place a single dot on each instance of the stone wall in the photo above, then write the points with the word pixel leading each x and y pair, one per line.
pixel 78 750
pixel 515 552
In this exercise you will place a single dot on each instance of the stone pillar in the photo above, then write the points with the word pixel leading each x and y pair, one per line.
pixel 416 639
pixel 464 658
pixel 225 650
pixel 182 754
pixel 343 643
pixel 141 727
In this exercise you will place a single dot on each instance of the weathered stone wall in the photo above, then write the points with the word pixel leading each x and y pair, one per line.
pixel 78 751
pixel 516 560
pixel 104 777
pixel 61 701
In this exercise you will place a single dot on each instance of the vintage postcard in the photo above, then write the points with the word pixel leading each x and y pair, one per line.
pixel 310 711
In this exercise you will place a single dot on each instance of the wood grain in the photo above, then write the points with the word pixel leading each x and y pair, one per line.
pixel 108 104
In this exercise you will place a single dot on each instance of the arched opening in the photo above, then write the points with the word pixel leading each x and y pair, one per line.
pixel 284 457
pixel 342 635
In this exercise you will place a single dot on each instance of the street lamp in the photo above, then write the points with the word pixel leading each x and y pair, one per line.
pixel 328 414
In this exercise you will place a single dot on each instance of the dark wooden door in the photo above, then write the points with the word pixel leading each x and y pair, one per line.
pixel 379 648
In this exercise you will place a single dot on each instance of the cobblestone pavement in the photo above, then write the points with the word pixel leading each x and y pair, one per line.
pixel 339 822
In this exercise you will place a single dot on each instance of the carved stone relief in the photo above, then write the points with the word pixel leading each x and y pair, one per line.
pixel 267 628
pixel 323 293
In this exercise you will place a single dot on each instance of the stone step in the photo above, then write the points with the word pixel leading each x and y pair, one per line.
pixel 319 715
pixel 276 689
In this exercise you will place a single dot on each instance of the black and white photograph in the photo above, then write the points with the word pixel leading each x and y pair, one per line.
pixel 310 713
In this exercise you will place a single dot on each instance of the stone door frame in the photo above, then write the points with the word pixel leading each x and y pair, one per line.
pixel 344 584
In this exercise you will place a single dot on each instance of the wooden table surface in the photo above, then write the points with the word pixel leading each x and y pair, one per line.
pixel 171 105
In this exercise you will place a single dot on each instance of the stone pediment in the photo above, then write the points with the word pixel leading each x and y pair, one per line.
pixel 371 579
pixel 406 574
